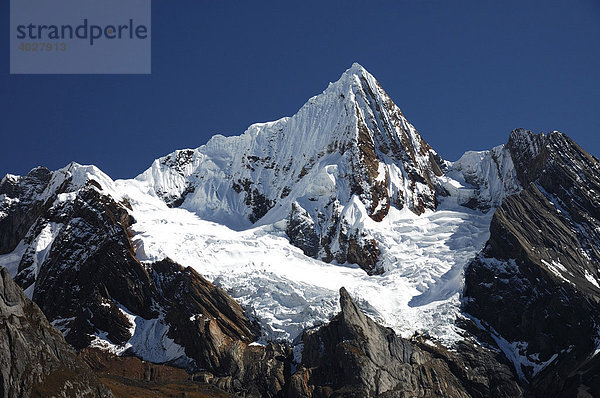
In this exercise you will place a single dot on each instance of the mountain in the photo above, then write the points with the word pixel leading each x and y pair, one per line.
pixel 470 278
pixel 354 356
pixel 361 148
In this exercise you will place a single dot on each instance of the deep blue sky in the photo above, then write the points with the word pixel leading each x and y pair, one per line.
pixel 465 73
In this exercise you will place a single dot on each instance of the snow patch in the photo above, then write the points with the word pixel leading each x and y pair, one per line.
pixel 591 279
pixel 149 341
pixel 557 269
pixel 11 260
pixel 63 324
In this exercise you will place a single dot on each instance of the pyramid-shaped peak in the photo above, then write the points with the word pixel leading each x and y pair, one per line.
pixel 355 71
pixel 357 68
pixel 354 80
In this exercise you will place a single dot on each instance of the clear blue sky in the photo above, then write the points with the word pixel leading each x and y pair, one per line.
pixel 464 73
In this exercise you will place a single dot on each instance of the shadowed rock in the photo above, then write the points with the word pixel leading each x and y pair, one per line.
pixel 36 359
pixel 535 285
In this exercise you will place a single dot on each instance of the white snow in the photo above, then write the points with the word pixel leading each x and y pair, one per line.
pixel 489 176
pixel 78 176
pixel 39 250
pixel 557 269
pixel 62 324
pixel 148 340
pixel 287 291
pixel 312 154
pixel 43 243
pixel 591 279
pixel 11 260
pixel 423 256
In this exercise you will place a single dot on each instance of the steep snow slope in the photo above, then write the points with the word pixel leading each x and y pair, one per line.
pixel 486 178
pixel 324 141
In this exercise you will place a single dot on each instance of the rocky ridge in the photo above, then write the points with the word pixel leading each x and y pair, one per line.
pixel 353 356
pixel 94 290
pixel 542 262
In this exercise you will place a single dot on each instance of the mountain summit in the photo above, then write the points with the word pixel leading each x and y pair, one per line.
pixel 348 153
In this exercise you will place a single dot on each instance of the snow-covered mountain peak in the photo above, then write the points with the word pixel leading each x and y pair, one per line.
pixel 352 78
pixel 41 185
pixel 78 176
pixel 356 69
pixel 351 142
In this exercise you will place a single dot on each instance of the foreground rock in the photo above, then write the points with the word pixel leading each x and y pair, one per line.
pixel 36 360
pixel 129 376
pixel 352 356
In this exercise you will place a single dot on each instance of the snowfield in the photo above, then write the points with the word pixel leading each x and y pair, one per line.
pixel 424 257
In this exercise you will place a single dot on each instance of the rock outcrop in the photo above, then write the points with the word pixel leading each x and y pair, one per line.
pixel 36 359
pixel 352 356
pixel 21 205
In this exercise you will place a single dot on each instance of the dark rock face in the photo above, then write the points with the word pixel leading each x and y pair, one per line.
pixel 577 379
pixel 301 231
pixel 23 208
pixel 178 161
pixel 202 317
pixel 255 371
pixel 483 372
pixel 92 274
pixel 36 360
pixel 352 356
pixel 386 134
pixel 536 281
pixel 89 271
pixel 359 248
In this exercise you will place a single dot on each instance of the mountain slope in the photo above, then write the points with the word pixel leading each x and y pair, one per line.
pixel 80 220
pixel 542 262
pixel 352 356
